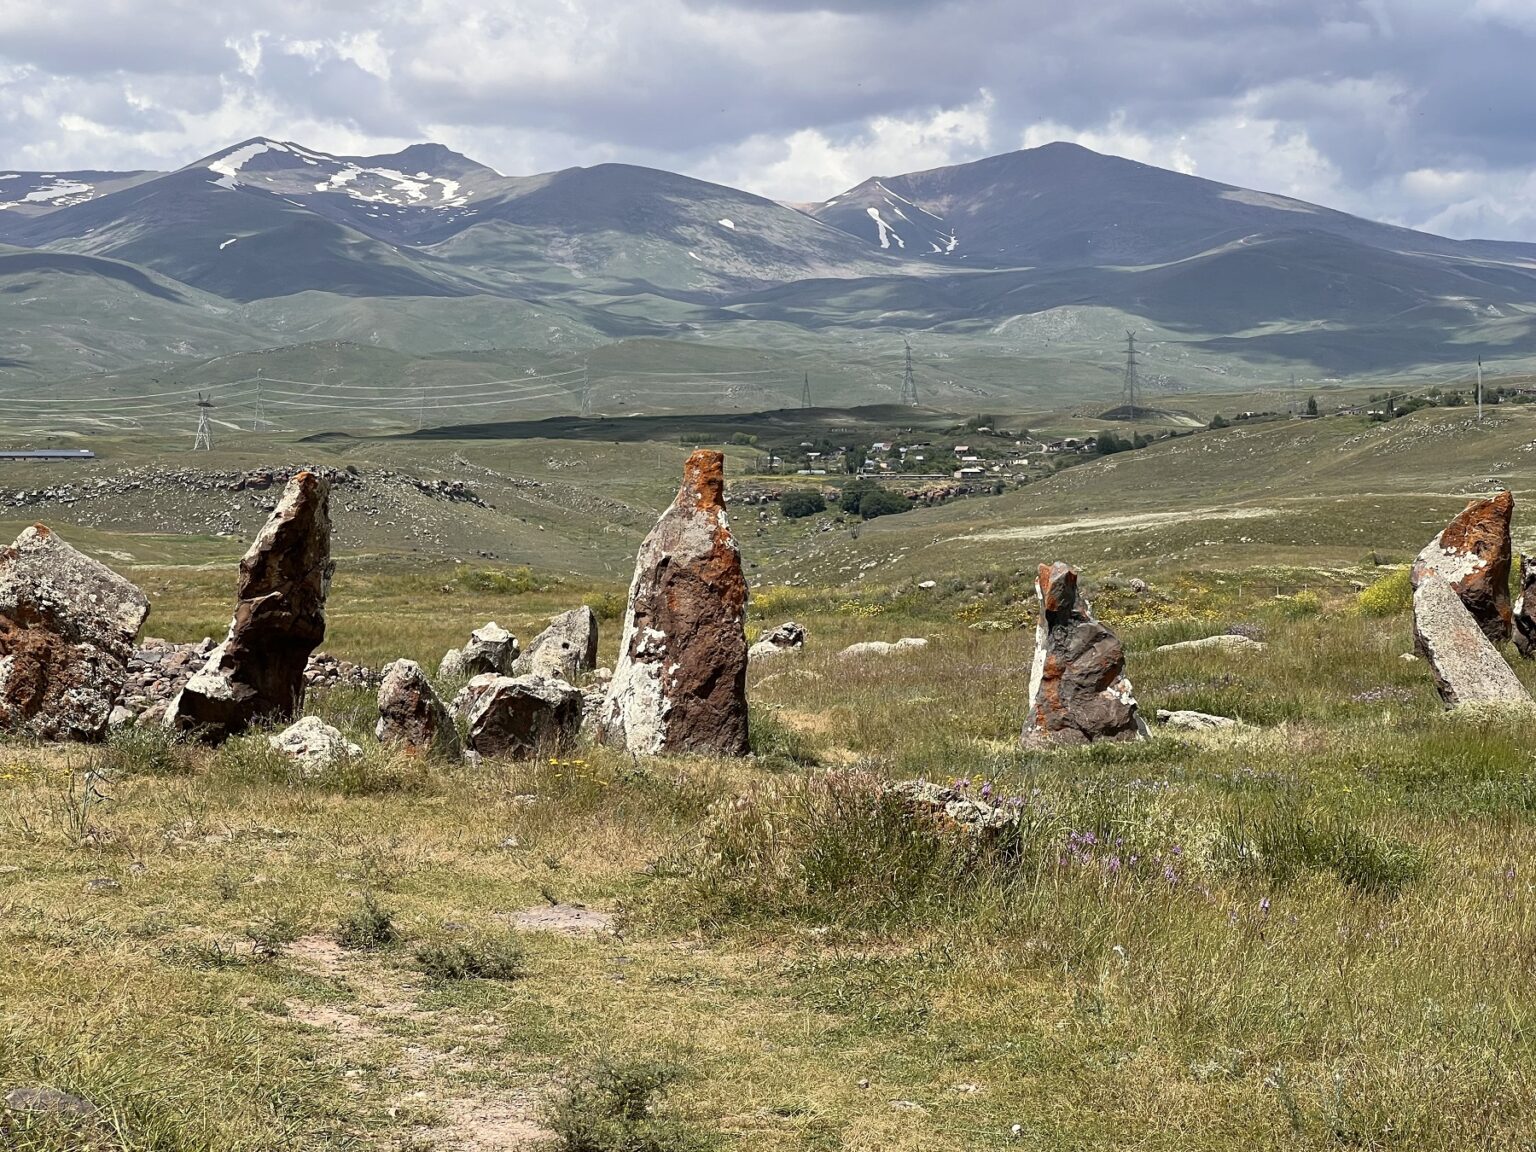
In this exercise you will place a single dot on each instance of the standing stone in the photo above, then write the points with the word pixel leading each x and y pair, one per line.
pixel 1078 692
pixel 1525 609
pixel 258 672
pixel 410 713
pixel 524 715
pixel 1466 666
pixel 1473 554
pixel 566 649
pixel 67 627
pixel 680 681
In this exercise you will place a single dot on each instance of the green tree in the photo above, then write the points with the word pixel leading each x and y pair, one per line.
pixel 1311 405
pixel 801 503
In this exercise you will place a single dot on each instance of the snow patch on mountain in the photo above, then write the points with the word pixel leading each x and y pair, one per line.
pixel 228 165
pixel 887 233
pixel 388 186
pixel 731 224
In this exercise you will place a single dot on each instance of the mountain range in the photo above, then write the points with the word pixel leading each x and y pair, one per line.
pixel 1016 275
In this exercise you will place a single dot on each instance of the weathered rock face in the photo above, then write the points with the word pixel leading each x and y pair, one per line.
pixel 566 649
pixel 1524 613
pixel 787 638
pixel 520 716
pixel 67 627
pixel 1473 555
pixel 258 671
pixel 314 744
pixel 680 682
pixel 491 648
pixel 1078 692
pixel 1188 721
pixel 410 713
pixel 1467 668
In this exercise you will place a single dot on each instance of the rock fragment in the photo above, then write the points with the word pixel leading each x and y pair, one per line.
pixel 1223 643
pixel 564 650
pixel 1188 721
pixel 524 716
pixel 314 744
pixel 67 627
pixel 680 682
pixel 411 715
pixel 491 648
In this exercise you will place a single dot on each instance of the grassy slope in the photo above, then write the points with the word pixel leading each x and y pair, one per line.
pixel 1320 940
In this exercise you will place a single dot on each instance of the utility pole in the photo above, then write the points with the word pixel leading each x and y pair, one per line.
pixel 421 408
pixel 805 396
pixel 908 381
pixel 586 391
pixel 1479 391
pixel 1132 384
pixel 204 441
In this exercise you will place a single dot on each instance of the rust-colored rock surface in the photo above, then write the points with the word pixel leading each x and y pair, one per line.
pixel 258 672
pixel 1525 609
pixel 1078 692
pixel 411 716
pixel 67 627
pixel 680 681
pixel 1474 554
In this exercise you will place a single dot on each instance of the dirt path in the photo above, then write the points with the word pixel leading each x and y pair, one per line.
pixel 1109 523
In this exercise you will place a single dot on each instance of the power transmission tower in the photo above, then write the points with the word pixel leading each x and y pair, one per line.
pixel 908 381
pixel 1130 395
pixel 260 423
pixel 204 441
pixel 805 396
pixel 586 391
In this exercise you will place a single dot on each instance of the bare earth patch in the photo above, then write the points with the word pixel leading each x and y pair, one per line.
pixel 489 1125
pixel 1118 523
pixel 565 919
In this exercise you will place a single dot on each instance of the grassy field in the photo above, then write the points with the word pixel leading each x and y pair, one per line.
pixel 1315 932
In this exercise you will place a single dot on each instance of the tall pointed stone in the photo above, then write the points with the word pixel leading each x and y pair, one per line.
pixel 680 681
pixel 1474 555
pixel 258 672
pixel 67 626
pixel 1078 692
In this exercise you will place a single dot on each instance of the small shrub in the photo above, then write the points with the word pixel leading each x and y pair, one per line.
pixel 369 926
pixel 488 958
pixel 1390 595
pixel 799 504
pixel 1302 605
pixel 148 751
pixel 271 934
pixel 609 606
pixel 883 503
pixel 614 1105
pixel 502 582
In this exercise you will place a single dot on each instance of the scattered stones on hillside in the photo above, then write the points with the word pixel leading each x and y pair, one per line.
pixel 67 627
pixel 564 650
pixel 1466 666
pixel 314 744
pixel 491 648
pixel 1227 642
pixel 258 671
pixel 524 715
pixel 973 813
pixel 1473 555
pixel 325 671
pixel 882 647
pixel 1078 692
pixel 411 715
pixel 158 669
pixel 680 681
pixel 786 639
pixel 1189 721
pixel 1523 615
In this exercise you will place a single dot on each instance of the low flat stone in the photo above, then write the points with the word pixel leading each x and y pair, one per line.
pixel 1223 643
pixel 314 743
pixel 1190 721
pixel 50 1102
pixel 881 647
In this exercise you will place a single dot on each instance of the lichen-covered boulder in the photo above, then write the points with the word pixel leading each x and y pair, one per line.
pixel 1473 554
pixel 1078 692
pixel 411 716
pixel 566 649
pixel 787 638
pixel 680 681
pixel 258 671
pixel 523 716
pixel 1466 666
pixel 67 627
pixel 313 744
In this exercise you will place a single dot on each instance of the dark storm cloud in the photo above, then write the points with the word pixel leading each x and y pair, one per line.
pixel 1418 110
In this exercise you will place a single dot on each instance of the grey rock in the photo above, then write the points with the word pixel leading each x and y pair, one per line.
pixel 524 716
pixel 1194 721
pixel 566 649
pixel 314 744
pixel 50 1102
pixel 881 647
pixel 411 715
pixel 1467 668
pixel 1222 643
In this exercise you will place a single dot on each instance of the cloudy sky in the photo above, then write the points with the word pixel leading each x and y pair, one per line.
pixel 1421 112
